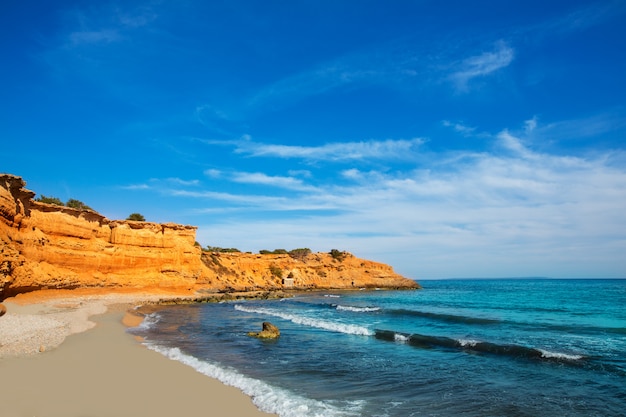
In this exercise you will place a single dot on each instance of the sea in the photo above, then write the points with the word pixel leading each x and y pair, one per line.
pixel 470 347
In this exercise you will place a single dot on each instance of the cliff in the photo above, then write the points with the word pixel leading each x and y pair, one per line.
pixel 44 246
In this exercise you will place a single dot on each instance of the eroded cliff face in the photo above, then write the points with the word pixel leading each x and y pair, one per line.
pixel 247 272
pixel 48 246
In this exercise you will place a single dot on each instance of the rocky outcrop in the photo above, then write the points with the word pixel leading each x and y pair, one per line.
pixel 48 246
pixel 251 272
pixel 44 246
pixel 269 332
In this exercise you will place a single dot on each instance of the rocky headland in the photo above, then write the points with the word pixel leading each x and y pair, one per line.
pixel 46 246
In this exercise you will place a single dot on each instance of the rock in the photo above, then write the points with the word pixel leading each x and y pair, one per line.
pixel 269 331
pixel 45 246
pixel 3 310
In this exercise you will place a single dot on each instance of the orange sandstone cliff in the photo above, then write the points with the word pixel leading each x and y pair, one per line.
pixel 44 246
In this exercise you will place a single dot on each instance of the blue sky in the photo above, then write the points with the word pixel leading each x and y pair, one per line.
pixel 446 138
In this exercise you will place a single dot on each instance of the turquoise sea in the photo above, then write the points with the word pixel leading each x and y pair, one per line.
pixel 537 347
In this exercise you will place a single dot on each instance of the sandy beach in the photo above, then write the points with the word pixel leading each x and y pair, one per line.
pixel 97 368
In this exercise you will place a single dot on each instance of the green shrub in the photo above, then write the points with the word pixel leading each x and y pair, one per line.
pixel 337 254
pixel 136 217
pixel 276 271
pixel 300 253
pixel 222 250
pixel 49 200
pixel 273 252
pixel 77 204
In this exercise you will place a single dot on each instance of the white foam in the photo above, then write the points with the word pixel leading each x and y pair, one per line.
pixel 357 309
pixel 307 321
pixel 148 321
pixel 332 296
pixel 558 355
pixel 265 396
pixel 400 338
pixel 468 342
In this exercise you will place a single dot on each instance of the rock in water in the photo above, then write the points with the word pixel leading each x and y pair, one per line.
pixel 269 331
pixel 3 310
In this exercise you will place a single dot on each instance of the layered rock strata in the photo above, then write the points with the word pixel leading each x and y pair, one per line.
pixel 44 246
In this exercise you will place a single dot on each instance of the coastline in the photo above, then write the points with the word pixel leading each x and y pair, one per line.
pixel 70 355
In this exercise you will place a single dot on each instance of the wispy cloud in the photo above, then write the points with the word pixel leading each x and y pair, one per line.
pixel 482 65
pixel 460 128
pixel 159 184
pixel 584 17
pixel 179 181
pixel 134 187
pixel 595 125
pixel 401 149
pixel 511 207
pixel 391 63
pixel 259 178
pixel 105 25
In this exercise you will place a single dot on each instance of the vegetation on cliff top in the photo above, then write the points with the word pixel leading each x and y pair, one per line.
pixel 138 217
pixel 338 255
pixel 79 205
pixel 300 253
pixel 220 249
pixel 72 202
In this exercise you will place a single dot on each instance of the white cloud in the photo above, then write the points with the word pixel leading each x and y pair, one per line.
pixel 514 144
pixel 530 125
pixel 103 24
pixel 213 173
pixel 513 209
pixel 591 126
pixel 353 174
pixel 136 187
pixel 300 173
pixel 340 151
pixel 179 181
pixel 482 65
pixel 460 128
pixel 259 178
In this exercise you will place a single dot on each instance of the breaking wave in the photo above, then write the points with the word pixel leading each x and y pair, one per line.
pixel 357 309
pixel 266 397
pixel 148 322
pixel 511 350
pixel 307 321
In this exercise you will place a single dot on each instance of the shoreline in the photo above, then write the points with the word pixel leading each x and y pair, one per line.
pixel 70 355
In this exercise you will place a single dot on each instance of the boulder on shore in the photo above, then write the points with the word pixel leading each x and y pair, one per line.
pixel 269 331
pixel 3 310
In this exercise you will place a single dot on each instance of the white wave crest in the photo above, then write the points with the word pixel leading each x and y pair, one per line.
pixel 307 321
pixel 332 296
pixel 558 355
pixel 357 309
pixel 468 342
pixel 265 396
pixel 400 338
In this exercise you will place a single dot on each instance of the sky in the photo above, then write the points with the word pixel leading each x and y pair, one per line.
pixel 445 138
